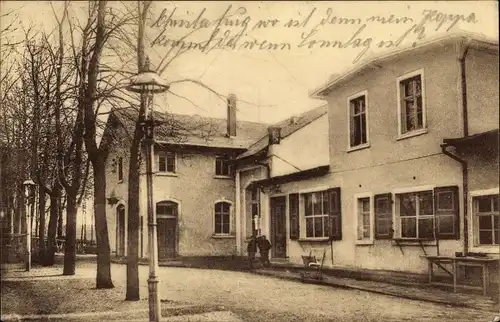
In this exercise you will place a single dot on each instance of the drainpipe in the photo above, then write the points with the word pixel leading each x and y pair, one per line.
pixel 463 89
pixel 462 55
pixel 239 250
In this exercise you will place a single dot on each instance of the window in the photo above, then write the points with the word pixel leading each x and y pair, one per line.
pixel 411 103
pixel 166 208
pixel 428 214
pixel 222 166
pixel 364 218
pixel 416 215
pixel 120 169
pixel 316 214
pixel 222 218
pixel 486 220
pixel 166 162
pixel 358 128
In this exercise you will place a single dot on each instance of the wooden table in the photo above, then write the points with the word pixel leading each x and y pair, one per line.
pixel 483 262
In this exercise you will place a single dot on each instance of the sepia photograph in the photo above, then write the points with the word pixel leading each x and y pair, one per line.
pixel 248 161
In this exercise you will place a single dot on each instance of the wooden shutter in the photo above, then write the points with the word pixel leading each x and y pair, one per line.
pixel 334 214
pixel 383 216
pixel 293 213
pixel 447 212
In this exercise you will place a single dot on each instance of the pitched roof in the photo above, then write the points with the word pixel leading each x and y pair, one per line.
pixel 195 130
pixel 288 126
pixel 469 39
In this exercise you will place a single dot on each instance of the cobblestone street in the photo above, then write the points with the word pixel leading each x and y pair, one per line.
pixel 260 298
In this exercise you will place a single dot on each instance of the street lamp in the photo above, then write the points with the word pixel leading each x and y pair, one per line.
pixel 147 83
pixel 29 191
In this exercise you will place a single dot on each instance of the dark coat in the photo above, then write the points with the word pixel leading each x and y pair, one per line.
pixel 252 246
pixel 264 245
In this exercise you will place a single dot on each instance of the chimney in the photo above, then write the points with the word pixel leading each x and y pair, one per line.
pixel 274 135
pixel 231 115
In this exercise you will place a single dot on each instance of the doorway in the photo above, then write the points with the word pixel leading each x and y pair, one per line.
pixel 166 220
pixel 278 227
pixel 120 230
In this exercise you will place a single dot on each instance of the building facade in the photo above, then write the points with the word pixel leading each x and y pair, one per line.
pixel 413 164
pixel 193 183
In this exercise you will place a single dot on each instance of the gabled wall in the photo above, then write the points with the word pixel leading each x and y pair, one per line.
pixel 304 149
pixel 196 189
pixel 482 91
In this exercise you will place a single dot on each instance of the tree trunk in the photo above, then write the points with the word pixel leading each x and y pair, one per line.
pixel 60 217
pixel 133 224
pixel 103 276
pixel 70 245
pixel 41 227
pixel 51 236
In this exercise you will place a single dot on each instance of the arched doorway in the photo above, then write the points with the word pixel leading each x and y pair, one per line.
pixel 120 230
pixel 166 219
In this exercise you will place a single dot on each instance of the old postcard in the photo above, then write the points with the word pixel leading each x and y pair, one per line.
pixel 249 161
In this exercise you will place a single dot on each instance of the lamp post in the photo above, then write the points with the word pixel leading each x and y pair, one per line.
pixel 147 83
pixel 29 191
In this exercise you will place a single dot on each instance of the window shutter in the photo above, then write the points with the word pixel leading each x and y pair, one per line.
pixel 383 216
pixel 293 212
pixel 402 116
pixel 351 125
pixel 447 212
pixel 334 214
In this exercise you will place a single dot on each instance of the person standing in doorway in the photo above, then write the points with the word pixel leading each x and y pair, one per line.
pixel 251 249
pixel 264 247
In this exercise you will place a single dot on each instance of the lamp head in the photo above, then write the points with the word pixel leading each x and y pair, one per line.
pixel 147 81
pixel 29 187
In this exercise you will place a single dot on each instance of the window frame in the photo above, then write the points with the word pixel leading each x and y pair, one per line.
pixel 303 217
pixel 169 203
pixel 473 228
pixel 357 198
pixel 165 154
pixel 223 158
pixel 418 216
pixel 120 169
pixel 214 212
pixel 399 80
pixel 367 126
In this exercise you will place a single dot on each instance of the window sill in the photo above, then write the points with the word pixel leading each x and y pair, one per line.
pixel 222 177
pixel 413 242
pixel 364 242
pixel 358 147
pixel 488 249
pixel 411 134
pixel 166 174
pixel 313 240
pixel 120 181
pixel 215 236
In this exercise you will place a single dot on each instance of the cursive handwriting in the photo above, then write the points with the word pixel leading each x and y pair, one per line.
pixel 323 29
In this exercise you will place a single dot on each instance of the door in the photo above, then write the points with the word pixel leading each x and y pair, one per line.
pixel 167 238
pixel 278 227
pixel 120 231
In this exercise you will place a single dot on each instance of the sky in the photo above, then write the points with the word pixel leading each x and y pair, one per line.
pixel 272 84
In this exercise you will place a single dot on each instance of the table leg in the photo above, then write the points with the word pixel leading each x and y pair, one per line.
pixel 455 276
pixel 485 279
pixel 429 270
